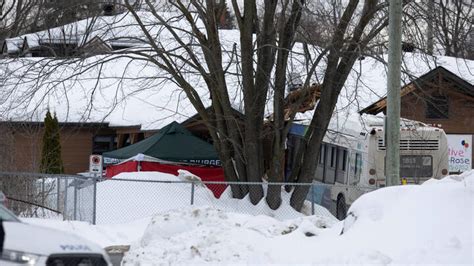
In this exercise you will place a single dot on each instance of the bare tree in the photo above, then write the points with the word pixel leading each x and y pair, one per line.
pixel 186 44
pixel 242 149
pixel 18 16
pixel 25 16
pixel 442 26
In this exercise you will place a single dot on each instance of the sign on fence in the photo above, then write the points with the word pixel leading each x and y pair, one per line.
pixel 95 164
pixel 460 153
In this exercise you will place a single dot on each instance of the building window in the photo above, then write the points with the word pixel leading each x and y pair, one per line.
pixel 437 107
pixel 103 143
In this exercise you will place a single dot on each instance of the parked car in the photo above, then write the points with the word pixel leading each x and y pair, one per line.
pixel 27 244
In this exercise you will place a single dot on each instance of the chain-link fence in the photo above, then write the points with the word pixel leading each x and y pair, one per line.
pixel 122 200
pixel 48 196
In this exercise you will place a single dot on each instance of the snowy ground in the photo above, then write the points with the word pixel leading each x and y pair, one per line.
pixel 427 224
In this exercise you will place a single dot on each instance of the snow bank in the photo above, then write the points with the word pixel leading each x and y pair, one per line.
pixel 207 235
pixel 284 212
pixel 427 224
pixel 103 235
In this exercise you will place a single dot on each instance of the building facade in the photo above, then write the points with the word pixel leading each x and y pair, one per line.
pixel 442 99
pixel 21 142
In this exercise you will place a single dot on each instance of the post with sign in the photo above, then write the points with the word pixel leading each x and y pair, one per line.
pixel 95 165
pixel 95 168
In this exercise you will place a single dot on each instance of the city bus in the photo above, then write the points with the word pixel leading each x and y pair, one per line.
pixel 352 163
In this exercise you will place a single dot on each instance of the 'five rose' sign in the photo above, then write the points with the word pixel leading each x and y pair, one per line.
pixel 460 153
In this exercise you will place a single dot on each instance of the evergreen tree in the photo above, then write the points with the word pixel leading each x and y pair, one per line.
pixel 224 17
pixel 51 162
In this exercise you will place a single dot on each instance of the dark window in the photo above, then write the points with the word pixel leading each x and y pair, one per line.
pixel 333 156
pixel 125 141
pixel 437 107
pixel 140 137
pixel 119 47
pixel 343 160
pixel 322 154
pixel 416 165
pixel 103 143
pixel 341 165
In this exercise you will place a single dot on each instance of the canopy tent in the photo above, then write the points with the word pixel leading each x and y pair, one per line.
pixel 173 143
pixel 145 163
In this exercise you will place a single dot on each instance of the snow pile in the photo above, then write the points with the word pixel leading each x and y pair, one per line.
pixel 206 235
pixel 102 235
pixel 284 212
pixel 428 224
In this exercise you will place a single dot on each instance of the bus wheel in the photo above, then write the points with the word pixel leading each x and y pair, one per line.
pixel 341 208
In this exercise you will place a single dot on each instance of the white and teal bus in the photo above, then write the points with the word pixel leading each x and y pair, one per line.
pixel 351 164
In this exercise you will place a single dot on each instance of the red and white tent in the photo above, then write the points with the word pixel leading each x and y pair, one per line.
pixel 142 163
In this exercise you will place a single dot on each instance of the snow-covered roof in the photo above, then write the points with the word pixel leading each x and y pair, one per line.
pixel 120 30
pixel 126 89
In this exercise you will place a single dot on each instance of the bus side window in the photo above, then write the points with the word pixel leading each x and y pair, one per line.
pixel 343 160
pixel 341 165
pixel 358 167
pixel 333 157
pixel 321 163
pixel 322 154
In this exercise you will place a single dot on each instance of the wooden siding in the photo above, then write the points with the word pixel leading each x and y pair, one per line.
pixel 20 146
pixel 460 119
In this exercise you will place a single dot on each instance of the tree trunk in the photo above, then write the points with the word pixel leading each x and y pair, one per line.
pixel 286 31
pixel 339 65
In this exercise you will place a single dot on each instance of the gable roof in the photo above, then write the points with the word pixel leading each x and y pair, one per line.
pixel 173 143
pixel 460 85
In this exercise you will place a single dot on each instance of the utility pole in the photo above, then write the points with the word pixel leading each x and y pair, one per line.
pixel 429 38
pixel 393 95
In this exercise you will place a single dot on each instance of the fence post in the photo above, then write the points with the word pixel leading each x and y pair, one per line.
pixel 94 200
pixel 65 214
pixel 312 199
pixel 58 184
pixel 75 199
pixel 43 196
pixel 192 193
